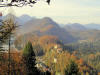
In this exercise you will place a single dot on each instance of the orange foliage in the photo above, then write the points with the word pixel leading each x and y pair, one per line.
pixel 46 28
pixel 15 64
pixel 91 56
pixel 48 41
pixel 99 73
pixel 80 61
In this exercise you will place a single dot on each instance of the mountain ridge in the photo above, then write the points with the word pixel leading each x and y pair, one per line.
pixel 46 26
pixel 75 26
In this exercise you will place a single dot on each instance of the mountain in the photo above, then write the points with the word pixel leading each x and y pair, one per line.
pixel 38 25
pixel 93 26
pixel 87 35
pixel 68 34
pixel 83 33
pixel 46 26
pixel 62 25
pixel 21 19
pixel 24 18
pixel 74 27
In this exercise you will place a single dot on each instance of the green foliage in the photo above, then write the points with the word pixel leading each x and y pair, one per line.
pixel 72 69
pixel 28 50
pixel 29 59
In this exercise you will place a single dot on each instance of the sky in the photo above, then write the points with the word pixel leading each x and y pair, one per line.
pixel 62 11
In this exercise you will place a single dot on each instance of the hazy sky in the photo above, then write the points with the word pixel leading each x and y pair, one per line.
pixel 63 11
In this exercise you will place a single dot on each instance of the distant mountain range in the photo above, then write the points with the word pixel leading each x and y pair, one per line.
pixel 83 32
pixel 67 33
pixel 75 27
pixel 46 26
pixel 24 18
pixel 21 19
pixel 93 26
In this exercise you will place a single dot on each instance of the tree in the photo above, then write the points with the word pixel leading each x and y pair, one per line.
pixel 29 59
pixel 18 3
pixel 7 27
pixel 47 73
pixel 72 69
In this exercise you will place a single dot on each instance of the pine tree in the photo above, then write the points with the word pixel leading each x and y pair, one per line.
pixel 29 59
pixel 72 69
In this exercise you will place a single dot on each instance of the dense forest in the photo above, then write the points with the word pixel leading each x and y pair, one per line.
pixel 51 52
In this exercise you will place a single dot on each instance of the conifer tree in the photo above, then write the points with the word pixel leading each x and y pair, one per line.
pixel 72 69
pixel 29 59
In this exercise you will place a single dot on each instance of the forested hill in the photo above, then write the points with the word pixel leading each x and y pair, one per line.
pixel 46 26
pixel 67 34
pixel 75 27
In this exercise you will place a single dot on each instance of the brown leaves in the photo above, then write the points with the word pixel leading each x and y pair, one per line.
pixel 48 41
pixel 16 64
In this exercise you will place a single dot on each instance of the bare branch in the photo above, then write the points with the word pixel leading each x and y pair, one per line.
pixel 19 3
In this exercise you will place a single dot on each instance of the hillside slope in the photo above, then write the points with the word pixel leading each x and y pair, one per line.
pixel 46 26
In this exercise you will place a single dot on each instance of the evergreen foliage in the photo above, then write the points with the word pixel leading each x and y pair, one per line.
pixel 29 59
pixel 72 69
